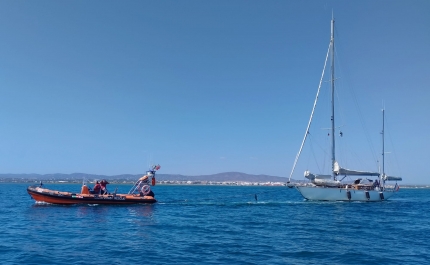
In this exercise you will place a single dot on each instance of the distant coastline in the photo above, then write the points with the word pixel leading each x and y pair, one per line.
pixel 227 178
pixel 184 183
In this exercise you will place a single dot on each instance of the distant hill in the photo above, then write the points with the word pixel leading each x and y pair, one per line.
pixel 220 177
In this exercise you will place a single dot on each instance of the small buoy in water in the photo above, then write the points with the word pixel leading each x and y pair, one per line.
pixel 255 196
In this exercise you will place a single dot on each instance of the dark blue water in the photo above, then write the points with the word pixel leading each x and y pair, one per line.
pixel 215 225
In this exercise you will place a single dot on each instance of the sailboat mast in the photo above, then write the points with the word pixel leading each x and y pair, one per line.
pixel 333 157
pixel 383 143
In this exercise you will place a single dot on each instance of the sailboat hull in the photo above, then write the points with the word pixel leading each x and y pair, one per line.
pixel 339 194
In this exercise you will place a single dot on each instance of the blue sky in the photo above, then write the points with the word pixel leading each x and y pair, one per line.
pixel 204 87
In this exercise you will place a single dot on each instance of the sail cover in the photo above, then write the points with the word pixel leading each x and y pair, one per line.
pixel 322 180
pixel 392 178
pixel 343 171
pixel 311 176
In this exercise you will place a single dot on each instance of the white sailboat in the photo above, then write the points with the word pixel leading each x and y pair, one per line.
pixel 330 187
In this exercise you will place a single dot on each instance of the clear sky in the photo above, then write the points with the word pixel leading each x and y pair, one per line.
pixel 203 87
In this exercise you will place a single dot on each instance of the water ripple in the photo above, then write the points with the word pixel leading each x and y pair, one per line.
pixel 217 225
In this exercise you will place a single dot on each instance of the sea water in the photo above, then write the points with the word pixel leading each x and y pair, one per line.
pixel 215 225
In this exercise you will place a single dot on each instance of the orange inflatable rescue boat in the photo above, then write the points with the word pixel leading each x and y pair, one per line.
pixel 140 193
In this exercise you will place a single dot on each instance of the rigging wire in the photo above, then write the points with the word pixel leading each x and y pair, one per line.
pixel 342 152
pixel 315 158
pixel 308 161
pixel 342 158
pixel 326 155
pixel 394 151
pixel 357 105
pixel 323 149
pixel 312 113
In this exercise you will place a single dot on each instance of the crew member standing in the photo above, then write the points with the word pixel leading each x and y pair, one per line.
pixel 103 184
pixel 97 188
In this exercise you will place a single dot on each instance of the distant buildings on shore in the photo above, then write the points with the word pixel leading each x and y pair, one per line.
pixel 230 183
pixel 161 182
pixel 130 181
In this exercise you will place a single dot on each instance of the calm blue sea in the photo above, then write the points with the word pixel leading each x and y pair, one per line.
pixel 215 225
